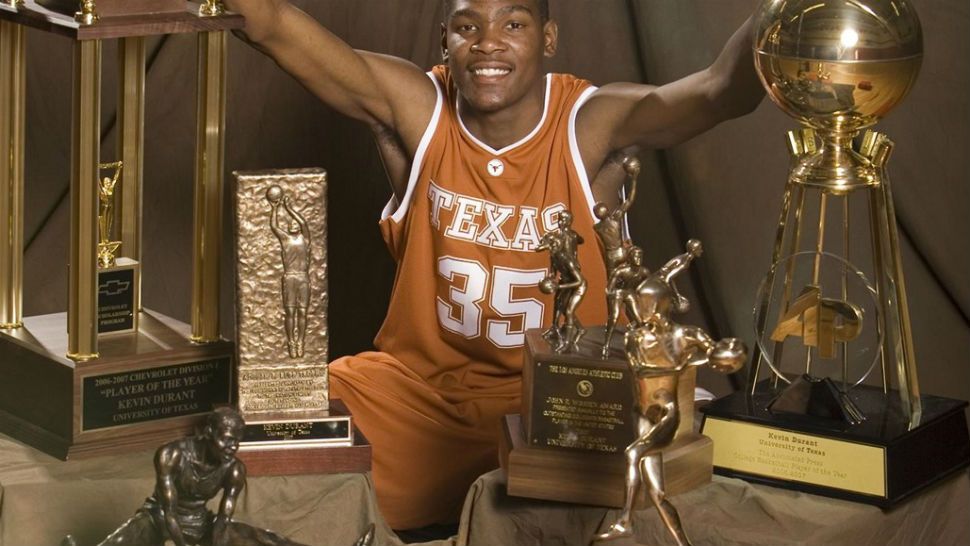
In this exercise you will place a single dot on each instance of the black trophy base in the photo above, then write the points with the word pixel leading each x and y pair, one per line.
pixel 879 461
pixel 313 445
pixel 144 389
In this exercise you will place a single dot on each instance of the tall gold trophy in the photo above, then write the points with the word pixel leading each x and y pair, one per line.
pixel 67 387
pixel 832 312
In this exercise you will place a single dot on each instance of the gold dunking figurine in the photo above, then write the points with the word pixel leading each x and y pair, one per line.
pixel 609 227
pixel 295 253
pixel 570 286
pixel 106 191
pixel 659 350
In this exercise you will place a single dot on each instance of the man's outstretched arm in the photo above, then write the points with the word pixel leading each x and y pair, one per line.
pixel 385 92
pixel 624 114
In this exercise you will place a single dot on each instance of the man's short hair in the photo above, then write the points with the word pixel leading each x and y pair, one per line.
pixel 542 4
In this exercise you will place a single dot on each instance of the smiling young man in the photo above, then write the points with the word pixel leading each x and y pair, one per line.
pixel 483 154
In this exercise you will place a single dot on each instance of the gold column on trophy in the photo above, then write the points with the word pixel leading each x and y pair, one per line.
pixel 12 97
pixel 210 160
pixel 69 390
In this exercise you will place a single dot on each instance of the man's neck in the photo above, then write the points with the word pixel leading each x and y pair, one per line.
pixel 508 125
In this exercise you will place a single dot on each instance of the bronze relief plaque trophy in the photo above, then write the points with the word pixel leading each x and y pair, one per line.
pixel 588 397
pixel 831 316
pixel 107 374
pixel 281 325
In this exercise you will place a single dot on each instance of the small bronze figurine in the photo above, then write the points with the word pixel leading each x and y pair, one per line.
pixel 659 348
pixel 566 282
pixel 609 225
pixel 295 253
pixel 188 473
pixel 621 292
pixel 106 194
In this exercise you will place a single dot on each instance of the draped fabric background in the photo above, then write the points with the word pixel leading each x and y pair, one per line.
pixel 724 187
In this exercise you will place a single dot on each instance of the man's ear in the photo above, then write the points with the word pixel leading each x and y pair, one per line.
pixel 550 37
pixel 444 43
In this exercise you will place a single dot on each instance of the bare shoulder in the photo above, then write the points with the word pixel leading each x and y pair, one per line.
pixel 409 90
pixel 168 456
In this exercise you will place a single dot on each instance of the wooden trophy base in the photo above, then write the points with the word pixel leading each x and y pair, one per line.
pixel 330 445
pixel 594 478
pixel 145 388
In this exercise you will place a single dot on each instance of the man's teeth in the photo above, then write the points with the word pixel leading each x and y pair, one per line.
pixel 491 72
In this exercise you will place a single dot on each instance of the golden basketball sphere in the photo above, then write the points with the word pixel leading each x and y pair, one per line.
pixel 836 65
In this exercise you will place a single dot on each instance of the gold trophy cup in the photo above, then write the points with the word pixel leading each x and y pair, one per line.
pixel 832 307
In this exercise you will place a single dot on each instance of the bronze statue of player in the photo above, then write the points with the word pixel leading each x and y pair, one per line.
pixel 621 292
pixel 609 225
pixel 188 473
pixel 659 350
pixel 566 281
pixel 295 253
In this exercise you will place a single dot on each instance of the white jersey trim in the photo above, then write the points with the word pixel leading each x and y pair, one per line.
pixel 574 149
pixel 395 210
pixel 523 140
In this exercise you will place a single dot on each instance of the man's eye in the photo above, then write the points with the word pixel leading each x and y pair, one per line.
pixel 466 28
pixel 516 26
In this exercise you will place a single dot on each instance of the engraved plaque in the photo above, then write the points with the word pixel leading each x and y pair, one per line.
pixel 118 297
pixel 138 396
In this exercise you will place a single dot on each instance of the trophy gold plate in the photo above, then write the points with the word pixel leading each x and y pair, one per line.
pixel 879 461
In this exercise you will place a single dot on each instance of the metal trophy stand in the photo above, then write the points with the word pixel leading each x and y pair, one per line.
pixel 65 389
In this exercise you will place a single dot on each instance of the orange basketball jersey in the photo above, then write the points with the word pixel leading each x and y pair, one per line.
pixel 464 237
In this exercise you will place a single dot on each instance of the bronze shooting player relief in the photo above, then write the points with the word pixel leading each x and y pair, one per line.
pixel 831 316
pixel 108 375
pixel 281 318
pixel 188 474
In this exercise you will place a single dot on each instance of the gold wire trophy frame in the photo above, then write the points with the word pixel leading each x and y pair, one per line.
pixel 833 305
pixel 65 389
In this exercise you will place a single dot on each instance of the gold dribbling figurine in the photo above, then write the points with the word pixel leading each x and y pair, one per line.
pixel 566 282
pixel 659 350
pixel 188 473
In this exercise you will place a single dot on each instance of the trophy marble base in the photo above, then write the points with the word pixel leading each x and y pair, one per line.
pixel 879 461
pixel 594 478
pixel 318 445
pixel 145 388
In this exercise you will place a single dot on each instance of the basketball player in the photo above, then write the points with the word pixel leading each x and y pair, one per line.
pixel 491 150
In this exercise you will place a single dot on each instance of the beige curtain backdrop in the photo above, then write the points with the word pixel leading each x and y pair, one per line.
pixel 724 187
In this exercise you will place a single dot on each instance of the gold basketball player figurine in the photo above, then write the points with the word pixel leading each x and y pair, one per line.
pixel 566 282
pixel 107 248
pixel 659 350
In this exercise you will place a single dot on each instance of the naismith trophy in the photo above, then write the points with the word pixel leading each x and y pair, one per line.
pixel 832 309
pixel 68 387
pixel 281 284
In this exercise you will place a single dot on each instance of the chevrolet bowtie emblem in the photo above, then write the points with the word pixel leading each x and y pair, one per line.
pixel 114 287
